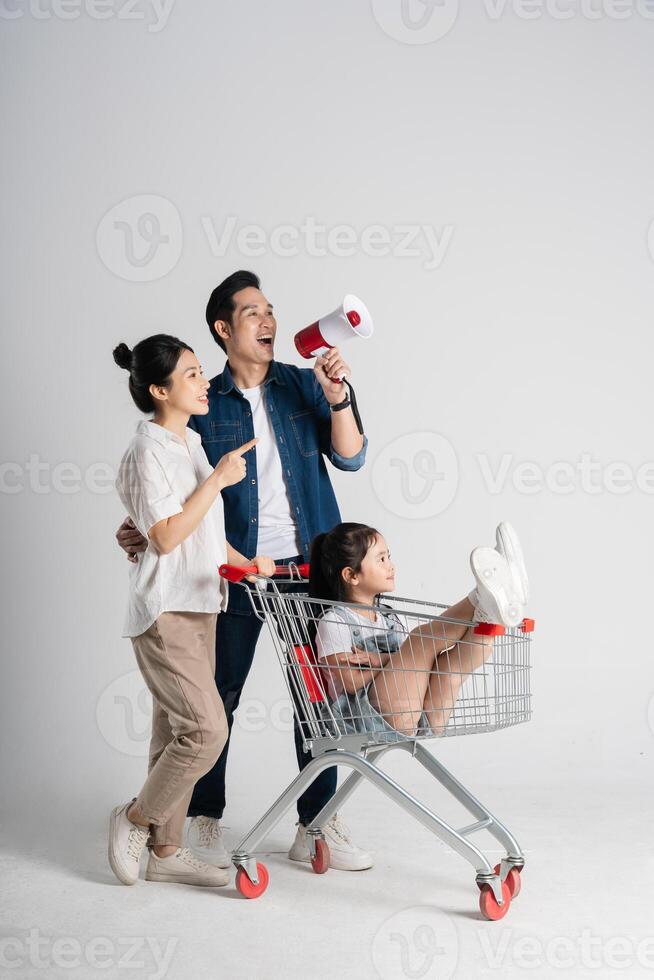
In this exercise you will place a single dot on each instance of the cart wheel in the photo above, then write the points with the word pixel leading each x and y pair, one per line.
pixel 513 880
pixel 320 863
pixel 488 904
pixel 247 887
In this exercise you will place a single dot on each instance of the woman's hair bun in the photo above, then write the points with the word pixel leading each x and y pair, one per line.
pixel 123 356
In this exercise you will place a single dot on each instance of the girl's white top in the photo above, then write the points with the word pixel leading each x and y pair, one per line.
pixel 335 636
pixel 157 475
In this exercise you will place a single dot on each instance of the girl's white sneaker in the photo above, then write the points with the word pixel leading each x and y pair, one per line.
pixel 184 867
pixel 126 844
pixel 508 545
pixel 205 835
pixel 496 598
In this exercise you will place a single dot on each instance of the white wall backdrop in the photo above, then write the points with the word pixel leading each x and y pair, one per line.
pixel 484 183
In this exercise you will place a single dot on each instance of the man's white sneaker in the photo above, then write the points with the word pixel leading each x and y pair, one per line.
pixel 126 843
pixel 497 601
pixel 508 544
pixel 344 853
pixel 205 835
pixel 184 867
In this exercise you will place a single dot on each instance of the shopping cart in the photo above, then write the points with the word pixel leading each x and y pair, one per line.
pixel 477 683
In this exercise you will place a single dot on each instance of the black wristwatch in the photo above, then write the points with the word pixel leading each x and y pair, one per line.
pixel 339 406
pixel 350 399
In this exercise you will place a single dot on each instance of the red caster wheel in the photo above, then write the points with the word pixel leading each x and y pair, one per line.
pixel 320 863
pixel 488 904
pixel 247 888
pixel 513 880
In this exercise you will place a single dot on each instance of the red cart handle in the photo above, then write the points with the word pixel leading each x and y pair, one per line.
pixel 236 573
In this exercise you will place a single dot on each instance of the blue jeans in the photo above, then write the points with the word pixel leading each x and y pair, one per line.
pixel 236 640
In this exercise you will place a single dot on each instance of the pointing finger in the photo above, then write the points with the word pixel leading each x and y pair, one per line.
pixel 246 447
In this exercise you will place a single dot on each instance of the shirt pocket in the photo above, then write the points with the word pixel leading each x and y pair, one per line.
pixel 306 431
pixel 223 436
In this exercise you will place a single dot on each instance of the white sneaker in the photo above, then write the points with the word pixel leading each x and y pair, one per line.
pixel 344 853
pixel 185 868
pixel 205 835
pixel 497 601
pixel 126 843
pixel 508 544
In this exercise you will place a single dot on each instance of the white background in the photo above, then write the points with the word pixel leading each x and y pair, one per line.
pixel 525 144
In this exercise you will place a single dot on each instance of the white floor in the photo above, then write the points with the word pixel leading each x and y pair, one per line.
pixel 585 909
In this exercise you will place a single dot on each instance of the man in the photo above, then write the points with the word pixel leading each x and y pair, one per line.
pixel 299 415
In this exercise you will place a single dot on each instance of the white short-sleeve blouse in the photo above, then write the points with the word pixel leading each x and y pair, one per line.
pixel 157 474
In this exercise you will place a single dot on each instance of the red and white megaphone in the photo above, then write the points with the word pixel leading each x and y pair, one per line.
pixel 349 320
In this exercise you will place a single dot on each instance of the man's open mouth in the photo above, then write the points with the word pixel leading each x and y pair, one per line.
pixel 265 340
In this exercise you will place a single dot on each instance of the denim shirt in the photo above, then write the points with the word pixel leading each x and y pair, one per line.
pixel 301 420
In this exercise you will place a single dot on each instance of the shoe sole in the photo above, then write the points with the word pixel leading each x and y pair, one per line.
pixel 117 868
pixel 190 880
pixel 332 867
pixel 493 575
pixel 508 544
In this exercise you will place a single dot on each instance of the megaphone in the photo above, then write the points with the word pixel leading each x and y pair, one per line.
pixel 349 320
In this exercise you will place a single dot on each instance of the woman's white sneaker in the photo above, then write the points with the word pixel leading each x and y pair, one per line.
pixel 126 844
pixel 205 835
pixel 344 853
pixel 508 545
pixel 496 598
pixel 183 867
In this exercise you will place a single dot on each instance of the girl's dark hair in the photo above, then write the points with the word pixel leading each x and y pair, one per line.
pixel 151 362
pixel 345 546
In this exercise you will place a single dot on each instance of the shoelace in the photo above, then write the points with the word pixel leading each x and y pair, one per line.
pixel 339 830
pixel 136 841
pixel 189 858
pixel 209 831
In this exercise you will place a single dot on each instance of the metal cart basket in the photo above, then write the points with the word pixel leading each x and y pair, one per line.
pixel 436 677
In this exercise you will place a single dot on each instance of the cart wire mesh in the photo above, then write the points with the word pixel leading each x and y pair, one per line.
pixel 417 674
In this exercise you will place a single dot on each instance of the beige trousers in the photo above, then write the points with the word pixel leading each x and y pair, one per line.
pixel 177 657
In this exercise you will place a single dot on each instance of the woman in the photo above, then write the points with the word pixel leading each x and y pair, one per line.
pixel 172 494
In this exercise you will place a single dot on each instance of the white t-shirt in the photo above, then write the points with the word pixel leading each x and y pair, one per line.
pixel 158 474
pixel 278 533
pixel 333 636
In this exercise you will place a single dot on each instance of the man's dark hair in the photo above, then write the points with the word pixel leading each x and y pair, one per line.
pixel 221 302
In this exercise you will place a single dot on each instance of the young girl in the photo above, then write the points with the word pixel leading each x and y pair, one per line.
pixel 381 676
pixel 173 496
